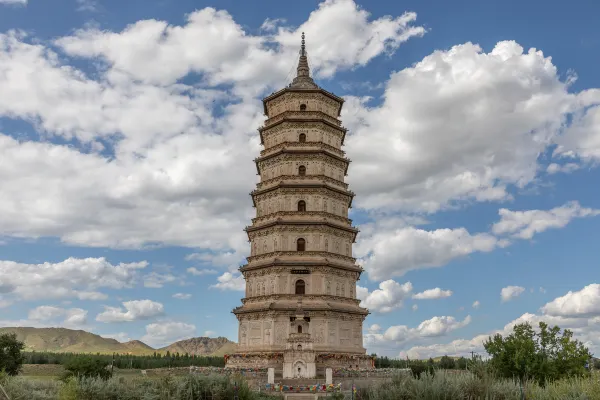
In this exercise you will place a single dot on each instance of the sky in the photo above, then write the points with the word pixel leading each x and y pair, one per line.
pixel 128 130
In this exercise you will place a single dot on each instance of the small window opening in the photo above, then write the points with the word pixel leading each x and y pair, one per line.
pixel 302 170
pixel 300 285
pixel 302 107
pixel 300 245
pixel 302 138
pixel 299 328
pixel 301 205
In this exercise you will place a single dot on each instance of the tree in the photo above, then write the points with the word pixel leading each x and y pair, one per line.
pixel 88 367
pixel 11 358
pixel 544 355
pixel 447 363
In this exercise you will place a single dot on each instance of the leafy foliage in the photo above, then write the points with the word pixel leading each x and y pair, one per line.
pixel 87 367
pixel 11 358
pixel 544 355
pixel 127 361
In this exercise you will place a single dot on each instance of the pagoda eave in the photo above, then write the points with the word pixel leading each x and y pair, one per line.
pixel 278 93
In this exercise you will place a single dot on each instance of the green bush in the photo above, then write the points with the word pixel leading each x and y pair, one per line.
pixel 86 367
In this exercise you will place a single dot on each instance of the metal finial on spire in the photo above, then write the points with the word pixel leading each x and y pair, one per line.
pixel 303 79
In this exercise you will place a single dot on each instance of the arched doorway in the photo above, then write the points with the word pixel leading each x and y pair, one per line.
pixel 300 244
pixel 302 170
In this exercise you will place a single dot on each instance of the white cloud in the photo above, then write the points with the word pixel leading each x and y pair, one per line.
pixel 476 304
pixel 182 296
pixel 555 168
pixel 392 253
pixel 387 298
pixel 511 292
pixel 581 140
pixel 209 334
pixel 402 334
pixel 157 280
pixel 270 25
pixel 14 2
pixel 135 310
pixel 87 5
pixel 432 294
pixel 498 110
pixel 579 304
pixel 524 224
pixel 229 281
pixel 585 329
pixel 375 328
pixel 70 278
pixel 120 336
pixel 165 333
pixel 199 272
pixel 55 316
pixel 415 307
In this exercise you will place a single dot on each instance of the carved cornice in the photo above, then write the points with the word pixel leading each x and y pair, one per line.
pixel 304 93
pixel 309 214
pixel 267 312
pixel 285 296
pixel 303 145
pixel 324 255
pixel 278 266
pixel 281 178
pixel 301 227
pixel 294 188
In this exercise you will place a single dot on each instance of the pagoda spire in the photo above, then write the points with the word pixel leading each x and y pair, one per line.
pixel 303 79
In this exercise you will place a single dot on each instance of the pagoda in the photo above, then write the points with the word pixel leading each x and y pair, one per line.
pixel 300 313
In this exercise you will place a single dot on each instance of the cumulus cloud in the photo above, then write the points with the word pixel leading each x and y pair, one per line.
pixel 524 224
pixel 511 292
pixel 229 281
pixel 387 298
pixel 199 272
pixel 584 328
pixel 386 254
pixel 134 310
pixel 14 2
pixel 51 316
pixel 402 334
pixel 579 304
pixel 182 296
pixel 498 110
pixel 72 278
pixel 476 304
pixel 165 333
pixel 432 294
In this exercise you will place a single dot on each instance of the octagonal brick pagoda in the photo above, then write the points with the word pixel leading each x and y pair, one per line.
pixel 300 313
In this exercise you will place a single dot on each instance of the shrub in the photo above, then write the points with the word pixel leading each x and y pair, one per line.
pixel 86 367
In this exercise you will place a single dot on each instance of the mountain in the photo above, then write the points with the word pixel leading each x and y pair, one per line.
pixel 62 340
pixel 200 346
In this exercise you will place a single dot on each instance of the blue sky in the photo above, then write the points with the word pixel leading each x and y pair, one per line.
pixel 127 133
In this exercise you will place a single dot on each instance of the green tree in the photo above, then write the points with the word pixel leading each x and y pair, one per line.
pixel 88 367
pixel 461 363
pixel 447 363
pixel 11 358
pixel 544 355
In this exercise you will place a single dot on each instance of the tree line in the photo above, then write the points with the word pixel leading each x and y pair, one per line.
pixel 126 361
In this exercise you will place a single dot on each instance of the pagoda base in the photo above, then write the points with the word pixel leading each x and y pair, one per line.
pixel 288 367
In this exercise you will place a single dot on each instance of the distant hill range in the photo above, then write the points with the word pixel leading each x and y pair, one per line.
pixel 62 340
